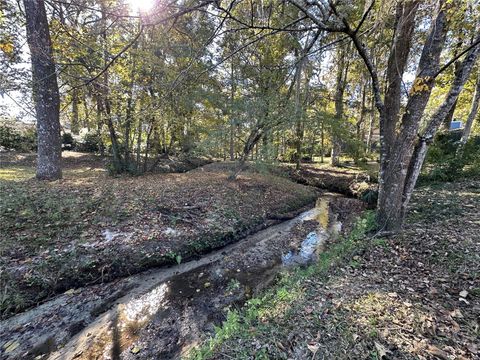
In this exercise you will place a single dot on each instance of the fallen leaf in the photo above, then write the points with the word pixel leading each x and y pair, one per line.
pixel 455 326
pixel 456 313
pixel 313 348
pixel 136 350
pixel 435 351
pixel 473 348
pixel 381 350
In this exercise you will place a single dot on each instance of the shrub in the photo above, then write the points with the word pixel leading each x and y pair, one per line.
pixel 14 138
pixel 89 142
pixel 446 162
pixel 68 143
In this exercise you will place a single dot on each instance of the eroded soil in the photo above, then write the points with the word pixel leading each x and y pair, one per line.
pixel 91 228
pixel 162 313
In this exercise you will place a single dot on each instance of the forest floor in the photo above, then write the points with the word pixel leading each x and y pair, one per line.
pixel 90 227
pixel 415 295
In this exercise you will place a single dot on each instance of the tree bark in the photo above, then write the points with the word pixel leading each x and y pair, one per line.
pixel 75 118
pixel 139 145
pixel 342 70
pixel 105 100
pixel 473 113
pixel 396 159
pixel 232 121
pixel 358 125
pixel 368 146
pixel 253 139
pixel 397 61
pixel 322 142
pixel 298 111
pixel 45 91
pixel 128 115
pixel 438 117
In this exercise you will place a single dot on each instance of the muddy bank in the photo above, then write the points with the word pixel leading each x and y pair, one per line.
pixel 161 313
pixel 351 182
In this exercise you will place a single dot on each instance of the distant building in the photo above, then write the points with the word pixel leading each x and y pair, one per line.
pixel 456 125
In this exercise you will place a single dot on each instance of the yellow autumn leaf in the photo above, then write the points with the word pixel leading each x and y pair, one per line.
pixel 7 48
pixel 420 85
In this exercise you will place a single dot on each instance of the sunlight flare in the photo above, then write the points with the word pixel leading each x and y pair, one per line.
pixel 141 5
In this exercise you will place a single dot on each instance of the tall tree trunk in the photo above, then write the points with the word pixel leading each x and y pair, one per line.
pixel 397 61
pixel 86 113
pixel 394 167
pixel 75 118
pixel 232 120
pixel 342 70
pixel 473 113
pixel 45 91
pixel 99 118
pixel 253 139
pixel 358 125
pixel 322 142
pixel 298 112
pixel 449 117
pixel 128 116
pixel 105 95
pixel 139 145
pixel 148 145
pixel 368 145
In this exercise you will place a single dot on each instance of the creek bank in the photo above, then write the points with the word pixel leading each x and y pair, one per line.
pixel 90 228
pixel 414 295
pixel 160 313
pixel 343 181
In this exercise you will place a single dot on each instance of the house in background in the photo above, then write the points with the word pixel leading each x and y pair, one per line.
pixel 456 125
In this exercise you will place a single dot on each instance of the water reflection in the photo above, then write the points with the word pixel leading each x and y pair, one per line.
pixel 314 240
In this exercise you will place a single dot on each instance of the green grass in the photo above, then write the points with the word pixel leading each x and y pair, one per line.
pixel 282 299
pixel 39 218
pixel 17 173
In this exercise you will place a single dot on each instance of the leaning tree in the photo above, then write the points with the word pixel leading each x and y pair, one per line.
pixel 402 143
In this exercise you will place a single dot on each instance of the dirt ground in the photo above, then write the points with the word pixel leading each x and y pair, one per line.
pixel 90 227
pixel 415 295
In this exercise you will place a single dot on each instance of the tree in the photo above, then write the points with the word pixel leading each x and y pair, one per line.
pixel 45 91
pixel 473 112
pixel 399 167
pixel 340 84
